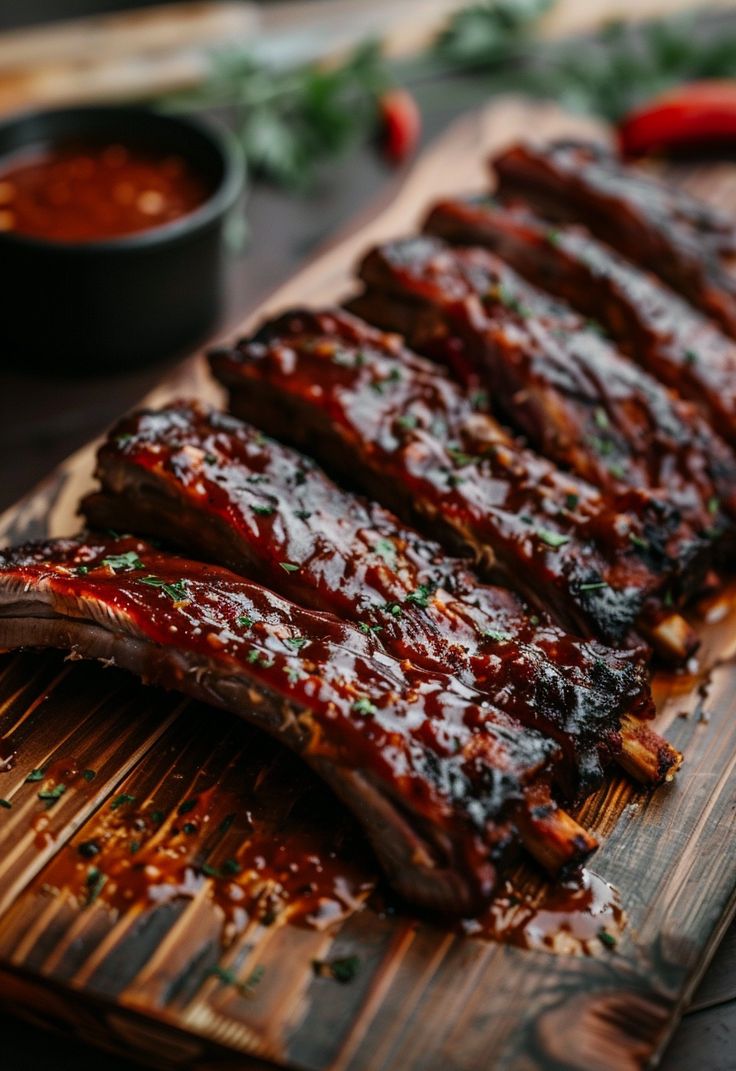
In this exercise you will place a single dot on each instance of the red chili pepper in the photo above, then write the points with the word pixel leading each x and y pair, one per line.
pixel 700 114
pixel 401 124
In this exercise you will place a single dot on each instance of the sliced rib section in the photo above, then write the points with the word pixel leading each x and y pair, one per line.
pixel 552 375
pixel 412 438
pixel 650 323
pixel 435 778
pixel 685 241
pixel 225 492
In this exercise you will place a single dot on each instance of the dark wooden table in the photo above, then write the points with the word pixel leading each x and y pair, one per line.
pixel 42 419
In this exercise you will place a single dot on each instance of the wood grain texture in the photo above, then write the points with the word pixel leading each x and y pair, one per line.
pixel 138 978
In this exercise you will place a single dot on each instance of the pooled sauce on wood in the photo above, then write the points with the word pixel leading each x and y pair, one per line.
pixel 90 192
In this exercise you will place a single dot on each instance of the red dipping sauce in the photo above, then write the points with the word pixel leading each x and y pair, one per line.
pixel 92 192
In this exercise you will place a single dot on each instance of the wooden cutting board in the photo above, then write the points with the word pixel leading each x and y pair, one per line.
pixel 188 981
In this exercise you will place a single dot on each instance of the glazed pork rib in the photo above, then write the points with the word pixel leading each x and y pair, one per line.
pixel 218 487
pixel 650 323
pixel 440 782
pixel 388 419
pixel 552 376
pixel 688 243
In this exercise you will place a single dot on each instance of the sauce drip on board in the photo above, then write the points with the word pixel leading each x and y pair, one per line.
pixel 93 191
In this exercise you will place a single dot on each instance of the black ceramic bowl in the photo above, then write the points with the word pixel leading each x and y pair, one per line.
pixel 120 302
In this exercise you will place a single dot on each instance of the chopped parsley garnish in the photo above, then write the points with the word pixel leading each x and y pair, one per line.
pixel 258 658
pixel 606 939
pixel 407 421
pixel 572 500
pixel 121 801
pixel 123 562
pixel 50 796
pixel 296 642
pixel 264 511
pixel 6 804
pixel 479 399
pixel 460 457
pixel 691 357
pixel 95 883
pixel 497 635
pixel 89 775
pixel 368 629
pixel 386 550
pixel 343 970
pixel 303 514
pixel 188 805
pixel 365 707
pixel 82 570
pixel 288 567
pixel 593 585
pixel 36 775
pixel 393 608
pixel 617 471
pixel 552 539
pixel 508 300
pixel 244 621
pixel 637 541
pixel 228 977
pixel 601 418
pixel 604 447
pixel 189 828
pixel 176 591
pixel 293 673
pixel 420 596
pixel 714 505
pixel 553 237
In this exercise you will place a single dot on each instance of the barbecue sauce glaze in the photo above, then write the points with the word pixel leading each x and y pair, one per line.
pixel 91 192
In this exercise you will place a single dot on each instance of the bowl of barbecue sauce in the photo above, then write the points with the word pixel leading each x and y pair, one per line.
pixel 111 235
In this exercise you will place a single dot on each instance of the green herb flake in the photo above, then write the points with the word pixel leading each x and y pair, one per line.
pixel 82 570
pixel 393 608
pixel 176 591
pixel 121 801
pixel 552 539
pixel 460 457
pixel 420 596
pixel 637 541
pixel 408 421
pixel 593 586
pixel 244 621
pixel 50 796
pixel 365 707
pixel 264 511
pixel 343 969
pixel 289 567
pixel 497 635
pixel 123 563
pixel 601 418
pixel 386 550
pixel 606 939
pixel 5 804
pixel 303 514
pixel 553 236
pixel 189 828
pixel 35 775
pixel 714 504
pixel 89 775
pixel 572 500
pixel 367 630
pixel 231 867
pixel 95 883
pixel 295 643
pixel 691 357
pixel 479 399
pixel 187 805
pixel 134 846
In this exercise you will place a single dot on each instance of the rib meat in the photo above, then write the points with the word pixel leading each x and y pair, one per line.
pixel 553 376
pixel 652 324
pixel 411 437
pixel 223 491
pixel 688 243
pixel 439 781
